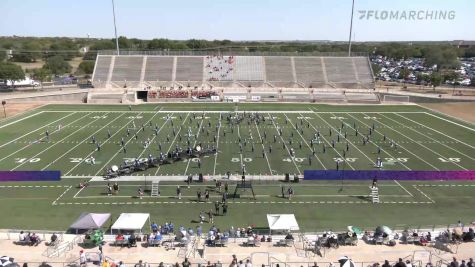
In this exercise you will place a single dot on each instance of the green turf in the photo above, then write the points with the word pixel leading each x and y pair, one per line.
pixel 426 141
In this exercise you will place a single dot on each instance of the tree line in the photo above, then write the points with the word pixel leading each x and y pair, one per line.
pixel 58 52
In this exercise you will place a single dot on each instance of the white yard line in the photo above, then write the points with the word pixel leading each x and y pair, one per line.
pixel 444 119
pixel 415 155
pixel 217 147
pixel 194 144
pixel 403 188
pixel 24 118
pixel 263 148
pixel 173 141
pixel 240 152
pixel 351 143
pixel 435 152
pixel 84 140
pixel 338 153
pixel 60 196
pixel 36 130
pixel 420 191
pixel 120 149
pixel 385 151
pixel 153 138
pixel 288 151
pixel 436 131
pixel 242 111
pixel 77 193
pixel 426 136
pixel 305 141
pixel 59 142
pixel 31 143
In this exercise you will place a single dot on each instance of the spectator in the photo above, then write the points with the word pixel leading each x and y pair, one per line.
pixel 454 262
pixel 408 263
pixel 386 264
pixel 186 263
pixel 248 263
pixel 22 236
pixel 400 263
pixel 139 264
pixel 463 264
pixel 470 263
pixel 82 258
pixel 121 264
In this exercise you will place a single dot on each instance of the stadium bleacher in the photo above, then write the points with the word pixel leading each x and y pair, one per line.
pixel 309 71
pixel 159 69
pixel 233 71
pixel 279 71
pixel 189 69
pixel 127 69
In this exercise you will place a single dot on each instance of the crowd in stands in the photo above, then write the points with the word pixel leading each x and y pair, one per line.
pixel 203 94
pixel 219 67
pixel 172 94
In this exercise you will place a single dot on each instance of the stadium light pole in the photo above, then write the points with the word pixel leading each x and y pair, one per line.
pixel 115 28
pixel 351 27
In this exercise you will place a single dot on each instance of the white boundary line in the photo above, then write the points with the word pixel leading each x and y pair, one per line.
pixel 420 144
pixel 242 111
pixel 433 139
pixel 437 131
pixel 376 131
pixel 444 119
pixel 24 118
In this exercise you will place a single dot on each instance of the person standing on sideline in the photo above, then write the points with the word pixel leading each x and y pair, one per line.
pixel 178 192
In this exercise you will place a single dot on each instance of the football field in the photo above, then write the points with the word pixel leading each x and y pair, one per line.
pixel 292 138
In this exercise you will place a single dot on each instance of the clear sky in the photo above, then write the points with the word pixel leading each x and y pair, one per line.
pixel 235 19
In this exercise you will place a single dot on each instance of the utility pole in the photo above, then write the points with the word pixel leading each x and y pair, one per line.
pixel 115 28
pixel 351 28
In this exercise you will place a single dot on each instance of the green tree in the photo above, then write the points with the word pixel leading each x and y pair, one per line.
pixel 86 67
pixel 159 44
pixel 472 81
pixel 42 75
pixel 435 79
pixel 376 69
pixel 3 55
pixel 11 72
pixel 124 43
pixel 443 57
pixel 404 73
pixel 57 65
pixel 65 48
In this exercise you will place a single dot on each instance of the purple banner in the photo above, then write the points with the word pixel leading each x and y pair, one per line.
pixel 388 175
pixel 18 176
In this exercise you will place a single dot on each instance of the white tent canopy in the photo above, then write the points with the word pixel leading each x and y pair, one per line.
pixel 90 220
pixel 282 222
pixel 131 221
